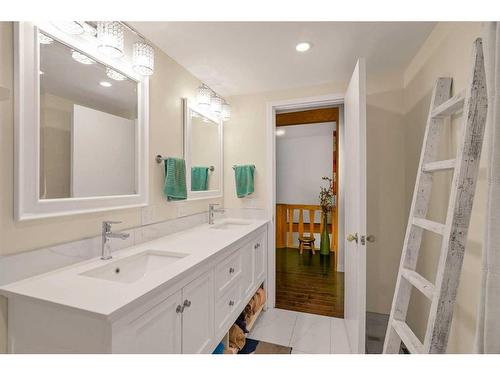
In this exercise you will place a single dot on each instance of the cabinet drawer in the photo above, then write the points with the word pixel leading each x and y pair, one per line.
pixel 226 306
pixel 227 273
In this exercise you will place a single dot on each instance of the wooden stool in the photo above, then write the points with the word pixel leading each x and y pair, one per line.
pixel 306 243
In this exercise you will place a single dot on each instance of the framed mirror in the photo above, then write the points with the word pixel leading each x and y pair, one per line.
pixel 203 152
pixel 81 126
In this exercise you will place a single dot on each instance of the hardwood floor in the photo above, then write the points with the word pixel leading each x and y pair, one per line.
pixel 308 283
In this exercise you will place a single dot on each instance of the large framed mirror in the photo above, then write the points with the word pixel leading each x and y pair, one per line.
pixel 81 126
pixel 203 152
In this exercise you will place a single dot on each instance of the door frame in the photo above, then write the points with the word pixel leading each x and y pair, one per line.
pixel 271 108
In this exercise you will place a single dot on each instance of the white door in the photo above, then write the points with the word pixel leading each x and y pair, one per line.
pixel 355 208
pixel 198 315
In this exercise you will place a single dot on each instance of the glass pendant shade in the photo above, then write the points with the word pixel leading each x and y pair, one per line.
pixel 204 96
pixel 143 58
pixel 81 58
pixel 216 105
pixel 113 74
pixel 70 27
pixel 110 37
pixel 226 111
pixel 44 39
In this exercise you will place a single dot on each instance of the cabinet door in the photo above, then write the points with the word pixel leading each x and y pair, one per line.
pixel 157 331
pixel 198 315
pixel 247 279
pixel 259 248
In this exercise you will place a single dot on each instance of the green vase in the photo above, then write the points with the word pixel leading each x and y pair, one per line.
pixel 324 248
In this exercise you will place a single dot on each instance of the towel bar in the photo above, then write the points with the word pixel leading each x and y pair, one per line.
pixel 160 158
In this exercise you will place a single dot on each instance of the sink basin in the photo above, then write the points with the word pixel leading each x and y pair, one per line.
pixel 134 267
pixel 230 224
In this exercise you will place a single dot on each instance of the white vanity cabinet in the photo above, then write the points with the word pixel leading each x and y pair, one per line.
pixel 188 314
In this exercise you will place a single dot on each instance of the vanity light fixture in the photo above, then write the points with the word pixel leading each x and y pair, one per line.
pixel 204 96
pixel 110 38
pixel 303 46
pixel 143 58
pixel 105 84
pixel 216 104
pixel 226 111
pixel 70 27
pixel 81 58
pixel 113 74
pixel 44 39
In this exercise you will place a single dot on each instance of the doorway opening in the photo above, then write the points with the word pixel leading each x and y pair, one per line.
pixel 309 277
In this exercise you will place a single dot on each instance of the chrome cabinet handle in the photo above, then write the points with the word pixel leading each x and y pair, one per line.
pixel 231 270
pixel 231 303
pixel 187 303
pixel 179 309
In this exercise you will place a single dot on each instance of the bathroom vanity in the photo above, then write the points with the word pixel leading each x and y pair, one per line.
pixel 177 294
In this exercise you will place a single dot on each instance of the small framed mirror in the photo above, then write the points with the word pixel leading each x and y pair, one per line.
pixel 81 126
pixel 203 152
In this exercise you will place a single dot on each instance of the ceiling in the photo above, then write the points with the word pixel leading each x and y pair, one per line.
pixel 246 57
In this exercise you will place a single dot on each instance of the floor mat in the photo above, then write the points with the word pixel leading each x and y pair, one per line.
pixel 262 347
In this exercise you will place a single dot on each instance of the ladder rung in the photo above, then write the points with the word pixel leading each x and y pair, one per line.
pixel 429 225
pixel 453 105
pixel 440 165
pixel 419 282
pixel 408 337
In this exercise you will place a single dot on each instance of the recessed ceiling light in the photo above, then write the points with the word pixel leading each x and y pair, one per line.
pixel 105 84
pixel 303 46
pixel 280 132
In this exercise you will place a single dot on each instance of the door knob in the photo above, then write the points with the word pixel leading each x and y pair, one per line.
pixel 352 237
pixel 370 238
pixel 179 309
pixel 187 303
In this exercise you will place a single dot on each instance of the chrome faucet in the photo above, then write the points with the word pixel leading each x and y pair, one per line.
pixel 107 235
pixel 211 212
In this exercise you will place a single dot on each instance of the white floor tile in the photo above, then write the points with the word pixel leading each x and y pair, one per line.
pixel 274 326
pixel 312 334
pixel 339 342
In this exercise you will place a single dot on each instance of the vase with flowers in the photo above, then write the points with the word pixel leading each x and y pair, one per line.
pixel 326 202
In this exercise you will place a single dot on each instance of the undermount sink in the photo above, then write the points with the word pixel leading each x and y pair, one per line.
pixel 134 267
pixel 230 224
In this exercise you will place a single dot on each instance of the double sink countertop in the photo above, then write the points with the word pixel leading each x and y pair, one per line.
pixel 103 287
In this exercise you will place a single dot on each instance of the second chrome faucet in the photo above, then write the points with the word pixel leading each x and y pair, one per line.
pixel 211 212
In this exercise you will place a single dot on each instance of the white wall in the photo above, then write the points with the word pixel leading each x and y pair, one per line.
pixel 102 153
pixel 304 154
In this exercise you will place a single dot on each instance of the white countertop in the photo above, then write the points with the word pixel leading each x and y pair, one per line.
pixel 67 287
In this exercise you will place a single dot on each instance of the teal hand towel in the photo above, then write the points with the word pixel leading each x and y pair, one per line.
pixel 244 176
pixel 199 178
pixel 175 179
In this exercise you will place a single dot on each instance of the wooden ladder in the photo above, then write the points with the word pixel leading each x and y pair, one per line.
pixel 473 104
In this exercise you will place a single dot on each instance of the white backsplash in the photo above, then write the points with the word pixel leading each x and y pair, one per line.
pixel 31 263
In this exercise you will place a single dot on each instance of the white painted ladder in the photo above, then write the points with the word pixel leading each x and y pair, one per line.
pixel 473 104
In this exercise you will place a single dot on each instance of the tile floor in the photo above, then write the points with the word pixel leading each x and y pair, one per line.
pixel 305 333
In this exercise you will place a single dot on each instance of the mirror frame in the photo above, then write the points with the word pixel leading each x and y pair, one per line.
pixel 191 106
pixel 28 204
